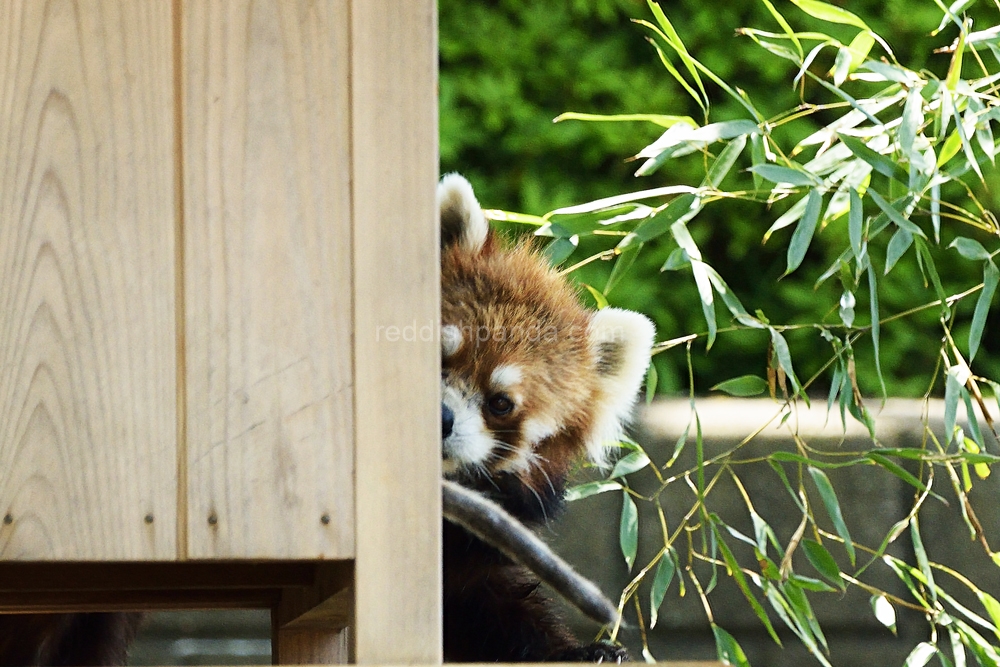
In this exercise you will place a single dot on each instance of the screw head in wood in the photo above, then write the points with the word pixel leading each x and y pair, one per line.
pixel 148 518
pixel 8 519
pixel 325 519
pixel 213 519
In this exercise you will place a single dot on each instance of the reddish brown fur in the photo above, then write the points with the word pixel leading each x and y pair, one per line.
pixel 496 290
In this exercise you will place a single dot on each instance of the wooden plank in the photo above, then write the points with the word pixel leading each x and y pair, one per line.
pixel 87 334
pixel 136 600
pixel 267 284
pixel 70 577
pixel 394 135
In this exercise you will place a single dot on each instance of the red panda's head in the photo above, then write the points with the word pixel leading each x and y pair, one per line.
pixel 531 381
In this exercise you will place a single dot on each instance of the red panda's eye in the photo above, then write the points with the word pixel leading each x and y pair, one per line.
pixel 500 404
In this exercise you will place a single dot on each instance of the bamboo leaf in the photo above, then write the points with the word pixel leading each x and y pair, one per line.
pixel 879 162
pixel 969 248
pixel 664 575
pixel 624 262
pixel 876 326
pixel 724 163
pixel 952 392
pixel 823 562
pixel 829 13
pixel 599 299
pixel 628 531
pixel 898 245
pixel 728 648
pixel 741 583
pixel 855 221
pixel 884 612
pixel 921 655
pixel 662 120
pixel 893 213
pixel 745 385
pixel 899 472
pixel 829 498
pixel 629 464
pixel 785 359
pixel 779 174
pixel 803 234
pixel 991 276
pixel 591 489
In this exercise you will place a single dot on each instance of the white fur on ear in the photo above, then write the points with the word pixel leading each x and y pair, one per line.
pixel 462 219
pixel 622 341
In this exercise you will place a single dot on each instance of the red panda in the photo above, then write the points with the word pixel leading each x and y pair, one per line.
pixel 67 639
pixel 531 383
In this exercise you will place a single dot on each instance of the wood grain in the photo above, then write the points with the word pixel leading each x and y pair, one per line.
pixel 397 284
pixel 87 351
pixel 267 279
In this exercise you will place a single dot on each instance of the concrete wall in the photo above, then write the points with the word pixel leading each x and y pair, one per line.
pixel 871 500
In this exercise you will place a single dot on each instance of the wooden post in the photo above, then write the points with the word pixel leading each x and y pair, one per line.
pixel 396 314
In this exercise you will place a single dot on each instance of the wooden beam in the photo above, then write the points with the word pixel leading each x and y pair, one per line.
pixel 396 349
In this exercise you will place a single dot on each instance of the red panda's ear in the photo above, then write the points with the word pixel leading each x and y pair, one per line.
pixel 462 219
pixel 621 341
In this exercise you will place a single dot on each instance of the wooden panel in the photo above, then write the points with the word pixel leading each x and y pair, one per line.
pixel 394 130
pixel 267 285
pixel 87 329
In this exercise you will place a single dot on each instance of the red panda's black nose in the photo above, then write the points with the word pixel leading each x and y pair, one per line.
pixel 447 421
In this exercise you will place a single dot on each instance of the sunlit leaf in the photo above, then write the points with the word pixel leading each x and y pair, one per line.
pixel 591 489
pixel 658 119
pixel 829 13
pixel 629 464
pixel 860 47
pixel 884 612
pixel 599 299
pixel 920 655
pixel 855 220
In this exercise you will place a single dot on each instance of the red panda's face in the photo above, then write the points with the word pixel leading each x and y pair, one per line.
pixel 531 381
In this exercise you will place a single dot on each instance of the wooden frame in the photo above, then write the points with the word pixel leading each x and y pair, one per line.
pixel 212 210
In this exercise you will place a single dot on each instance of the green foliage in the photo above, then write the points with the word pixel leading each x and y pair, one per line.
pixel 509 68
pixel 865 176
pixel 891 168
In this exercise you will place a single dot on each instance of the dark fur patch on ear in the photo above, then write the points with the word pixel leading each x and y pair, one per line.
pixel 610 356
pixel 452 226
